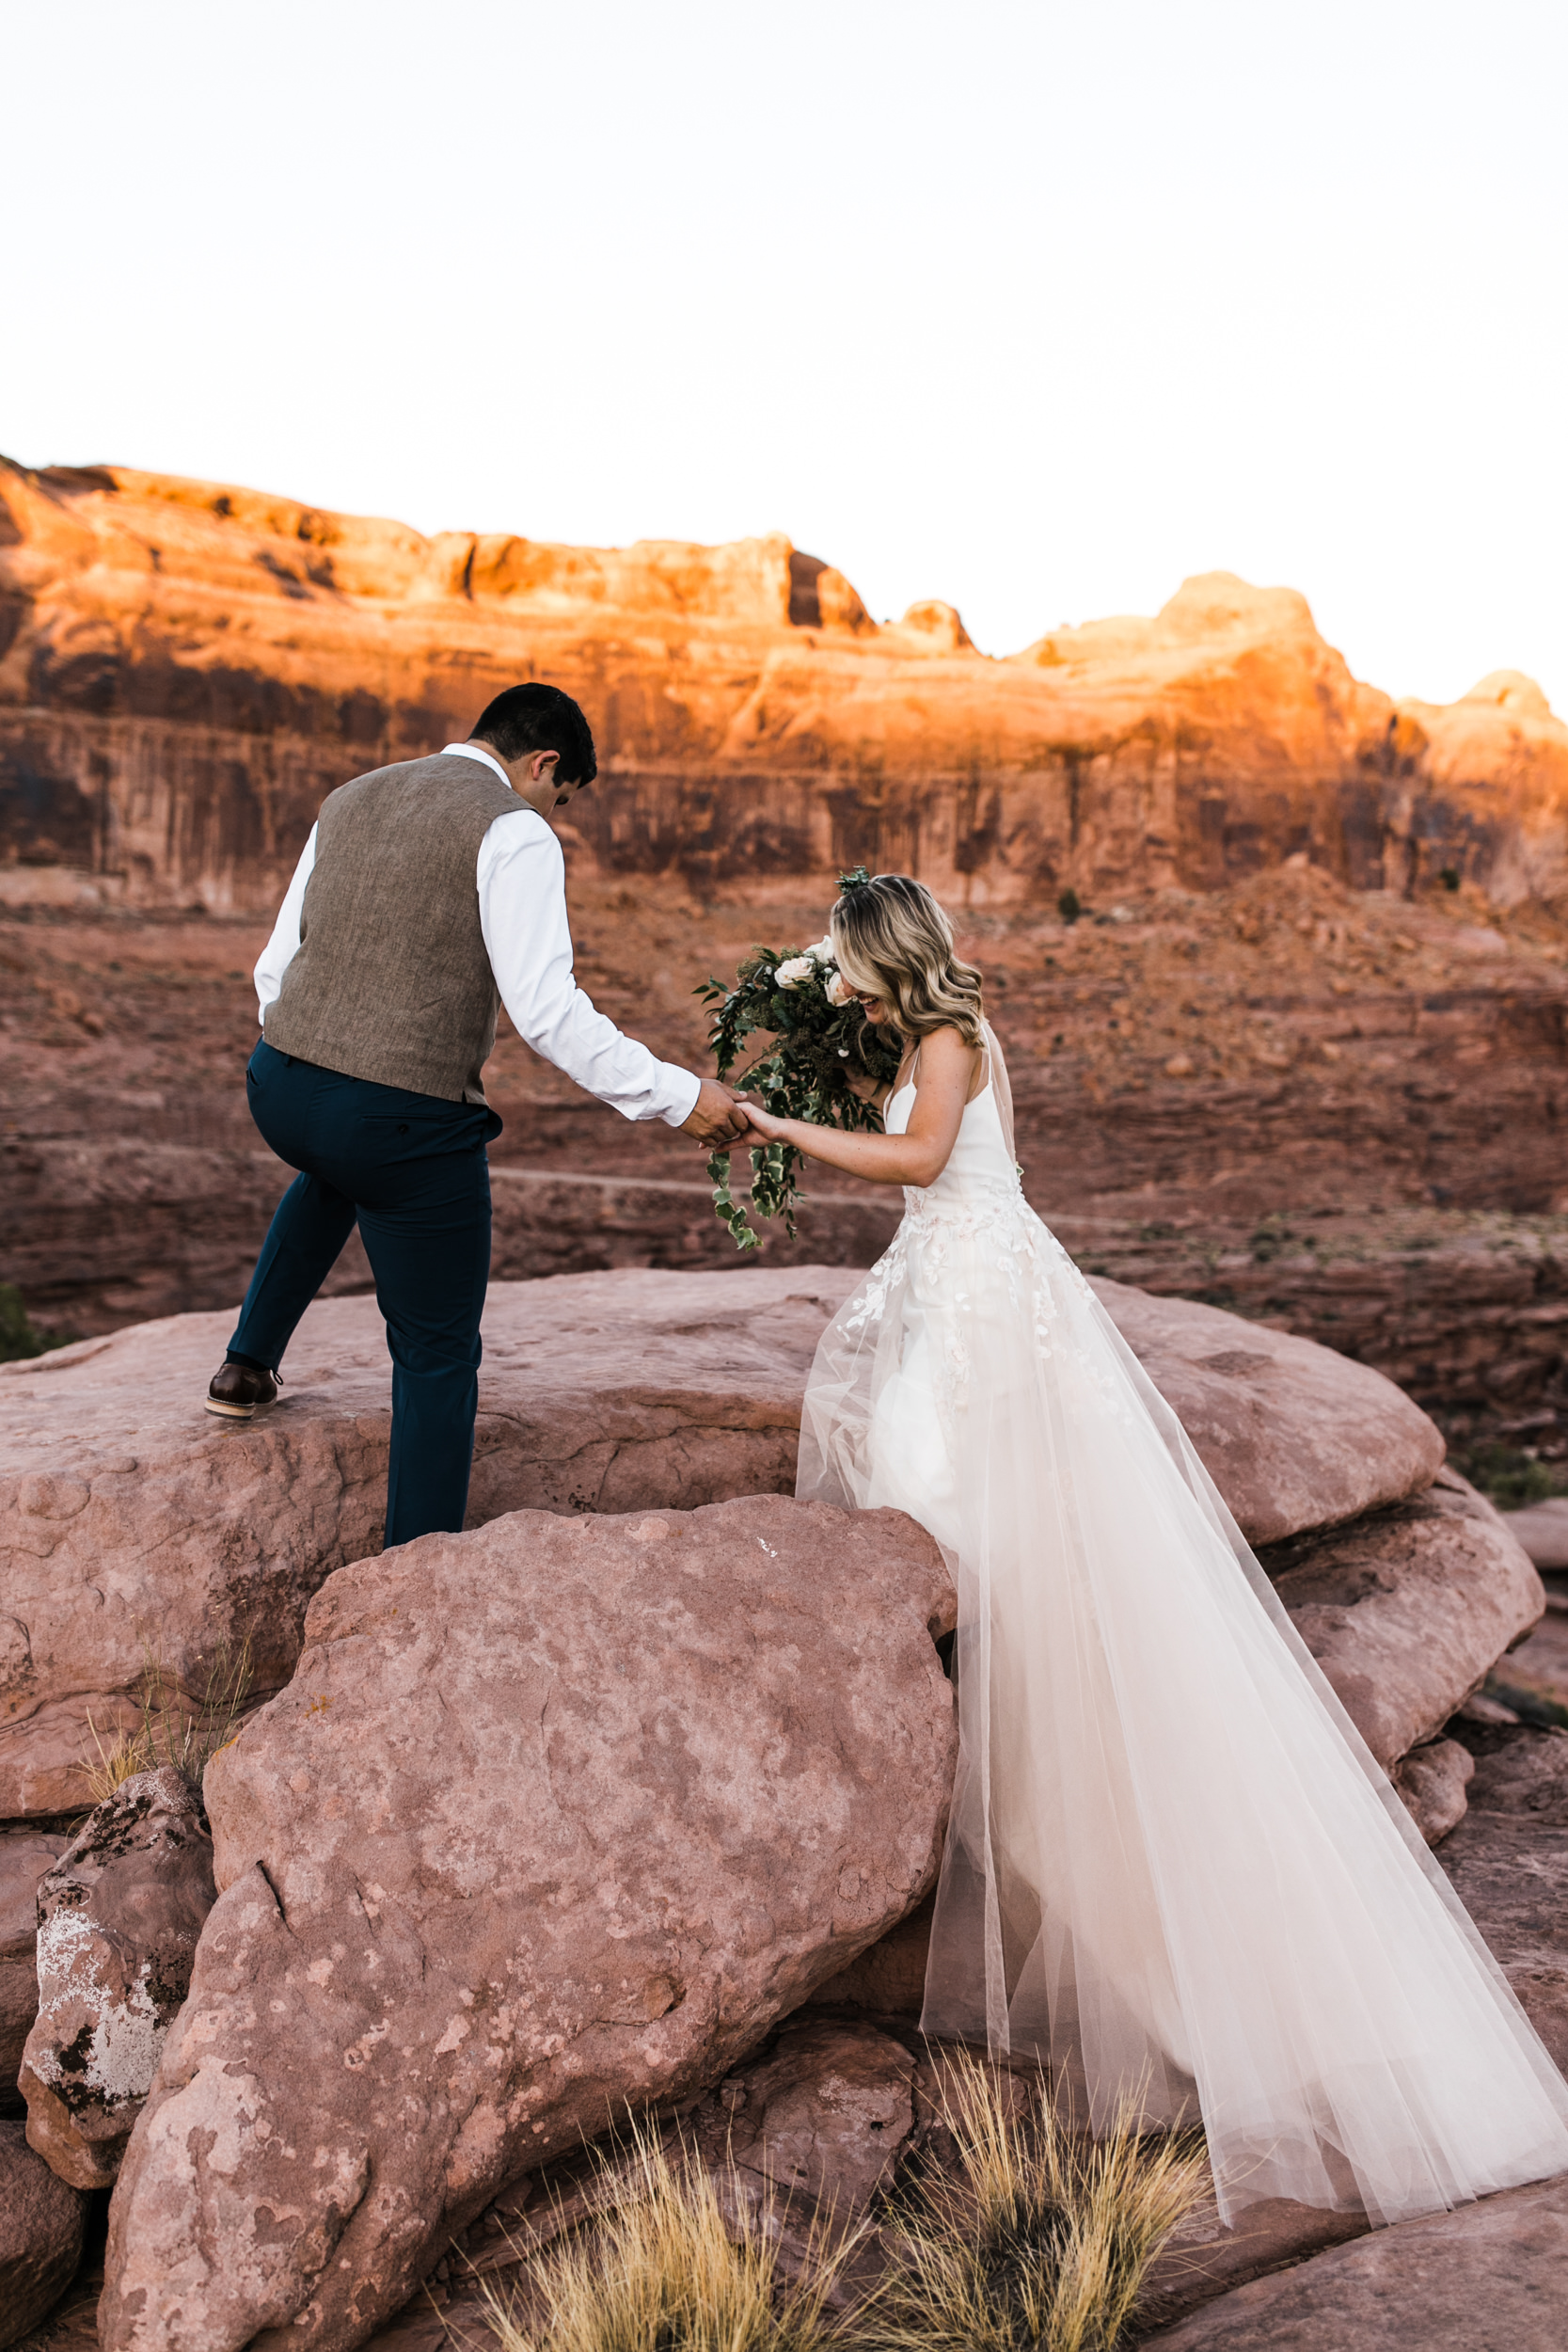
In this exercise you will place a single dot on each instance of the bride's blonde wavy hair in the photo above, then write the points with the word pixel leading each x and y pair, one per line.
pixel 894 942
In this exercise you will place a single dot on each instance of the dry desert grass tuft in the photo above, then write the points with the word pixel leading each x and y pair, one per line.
pixel 1044 2242
pixel 168 1732
pixel 1039 2241
pixel 675 2265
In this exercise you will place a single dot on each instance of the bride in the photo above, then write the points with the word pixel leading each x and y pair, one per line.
pixel 1173 1870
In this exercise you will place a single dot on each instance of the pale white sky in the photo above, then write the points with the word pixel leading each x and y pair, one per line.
pixel 1035 307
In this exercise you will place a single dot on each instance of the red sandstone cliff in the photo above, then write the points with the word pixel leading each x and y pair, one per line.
pixel 186 669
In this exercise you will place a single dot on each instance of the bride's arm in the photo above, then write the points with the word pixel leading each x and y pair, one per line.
pixel 916 1157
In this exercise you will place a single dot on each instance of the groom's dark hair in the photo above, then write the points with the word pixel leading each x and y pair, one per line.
pixel 539 718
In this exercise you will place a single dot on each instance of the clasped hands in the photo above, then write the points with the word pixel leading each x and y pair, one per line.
pixel 721 1116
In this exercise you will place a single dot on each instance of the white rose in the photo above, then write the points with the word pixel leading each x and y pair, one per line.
pixel 839 990
pixel 793 970
pixel 824 951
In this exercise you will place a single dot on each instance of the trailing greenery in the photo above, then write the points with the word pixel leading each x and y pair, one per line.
pixel 820 1040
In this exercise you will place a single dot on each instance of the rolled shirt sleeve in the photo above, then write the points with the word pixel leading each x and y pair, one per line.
pixel 282 947
pixel 521 874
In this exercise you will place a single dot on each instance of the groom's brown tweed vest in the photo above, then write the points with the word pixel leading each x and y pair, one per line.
pixel 391 980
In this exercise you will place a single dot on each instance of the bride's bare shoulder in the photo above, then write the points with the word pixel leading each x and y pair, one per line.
pixel 946 1054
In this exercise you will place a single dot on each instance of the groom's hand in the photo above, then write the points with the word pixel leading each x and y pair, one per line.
pixel 716 1116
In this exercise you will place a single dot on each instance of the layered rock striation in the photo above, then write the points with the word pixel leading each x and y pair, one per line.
pixel 186 668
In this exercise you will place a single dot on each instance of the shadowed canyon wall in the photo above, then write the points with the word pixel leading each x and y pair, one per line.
pixel 186 669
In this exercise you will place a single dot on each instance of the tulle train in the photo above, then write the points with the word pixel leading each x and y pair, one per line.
pixel 1173 1869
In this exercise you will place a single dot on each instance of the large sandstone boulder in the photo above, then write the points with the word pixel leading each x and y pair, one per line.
pixel 131 1522
pixel 119 1918
pixel 24 1859
pixel 555 1816
pixel 1292 1435
pixel 1486 2279
pixel 41 2223
pixel 1406 1610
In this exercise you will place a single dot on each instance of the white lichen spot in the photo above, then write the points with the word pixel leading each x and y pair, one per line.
pixel 455 2035
pixel 127 2038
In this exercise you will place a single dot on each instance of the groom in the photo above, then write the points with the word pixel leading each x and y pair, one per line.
pixel 426 894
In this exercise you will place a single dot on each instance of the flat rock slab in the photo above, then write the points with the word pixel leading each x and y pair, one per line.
pixel 556 1817
pixel 1486 2279
pixel 1408 1610
pixel 132 1523
pixel 1292 1435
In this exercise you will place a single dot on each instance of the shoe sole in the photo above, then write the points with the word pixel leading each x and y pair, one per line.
pixel 229 1413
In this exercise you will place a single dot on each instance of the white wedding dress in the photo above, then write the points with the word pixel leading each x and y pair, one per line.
pixel 1172 1868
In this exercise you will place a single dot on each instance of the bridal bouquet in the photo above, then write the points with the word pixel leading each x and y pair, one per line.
pixel 820 1040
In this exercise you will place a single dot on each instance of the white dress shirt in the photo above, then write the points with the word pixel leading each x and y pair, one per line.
pixel 521 879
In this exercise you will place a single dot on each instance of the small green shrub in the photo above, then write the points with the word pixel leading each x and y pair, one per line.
pixel 1507 1475
pixel 19 1335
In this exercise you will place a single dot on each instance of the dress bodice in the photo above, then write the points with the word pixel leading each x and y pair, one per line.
pixel 980 1161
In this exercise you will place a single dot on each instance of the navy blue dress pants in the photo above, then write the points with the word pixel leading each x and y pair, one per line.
pixel 412 1171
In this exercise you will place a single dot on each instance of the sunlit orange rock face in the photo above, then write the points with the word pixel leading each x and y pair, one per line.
pixel 187 669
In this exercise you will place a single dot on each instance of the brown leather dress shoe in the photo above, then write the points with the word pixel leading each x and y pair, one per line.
pixel 238 1389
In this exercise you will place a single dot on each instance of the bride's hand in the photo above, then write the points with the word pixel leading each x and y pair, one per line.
pixel 760 1122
